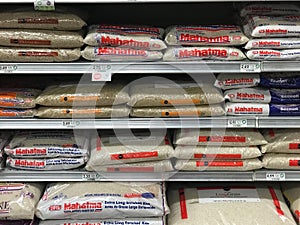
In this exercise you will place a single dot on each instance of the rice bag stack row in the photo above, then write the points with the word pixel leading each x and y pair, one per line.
pixel 47 150
pixel 196 42
pixel 218 149
pixel 177 98
pixel 124 151
pixel 34 36
pixel 123 43
pixel 267 94
pixel 274 30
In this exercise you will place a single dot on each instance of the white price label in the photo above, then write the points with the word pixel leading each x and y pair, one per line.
pixel 88 177
pixel 272 176
pixel 8 68
pixel 101 73
pixel 71 123
pixel 44 5
pixel 249 67
pixel 237 123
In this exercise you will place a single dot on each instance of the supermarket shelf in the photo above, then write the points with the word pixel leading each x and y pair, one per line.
pixel 276 175
pixel 279 122
pixel 280 66
pixel 137 67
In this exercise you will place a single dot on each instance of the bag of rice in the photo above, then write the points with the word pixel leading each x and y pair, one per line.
pixel 139 167
pixel 181 111
pixel 136 37
pixel 46 164
pixel 119 54
pixel 83 112
pixel 270 9
pixel 84 95
pixel 16 113
pixel 247 109
pixel 40 38
pixel 40 20
pixel 153 94
pixel 281 161
pixel 18 201
pixel 213 35
pixel 219 137
pixel 229 81
pixel 16 54
pixel 144 221
pixel 215 153
pixel 102 200
pixel 273 43
pixel 291 192
pixel 112 150
pixel 216 204
pixel 273 54
pixel 44 144
pixel 280 80
pixel 18 97
pixel 218 165
pixel 285 110
pixel 17 222
pixel 281 140
pixel 200 53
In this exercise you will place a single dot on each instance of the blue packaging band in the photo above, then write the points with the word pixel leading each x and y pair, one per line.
pixel 284 110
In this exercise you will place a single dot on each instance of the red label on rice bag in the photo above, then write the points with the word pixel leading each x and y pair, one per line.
pixel 294 146
pixel 134 155
pixel 182 201
pixel 297 214
pixel 219 164
pixel 217 156
pixel 221 139
pixel 294 163
pixel 37 54
pixel 30 42
pixel 98 144
pixel 131 169
pixel 38 20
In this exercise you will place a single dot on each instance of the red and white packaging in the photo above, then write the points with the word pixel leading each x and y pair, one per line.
pixel 273 43
pixel 218 165
pixel 213 35
pixel 148 38
pixel 282 140
pixel 258 95
pixel 215 153
pixel 17 113
pixel 102 200
pixel 281 161
pixel 291 192
pixel 272 26
pixel 247 109
pixel 119 54
pixel 270 9
pixel 219 137
pixel 272 54
pixel 199 53
pixel 229 81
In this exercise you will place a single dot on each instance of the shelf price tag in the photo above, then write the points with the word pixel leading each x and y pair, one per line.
pixel 8 68
pixel 88 177
pixel 237 123
pixel 101 72
pixel 71 123
pixel 44 5
pixel 275 176
pixel 250 67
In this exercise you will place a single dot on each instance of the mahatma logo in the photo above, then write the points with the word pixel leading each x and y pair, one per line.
pixel 197 38
pixel 239 81
pixel 32 164
pixel 127 43
pixel 4 207
pixel 31 151
pixel 203 53
pixel 268 43
pixel 276 31
pixel 255 110
pixel 269 53
pixel 120 51
pixel 247 96
pixel 85 206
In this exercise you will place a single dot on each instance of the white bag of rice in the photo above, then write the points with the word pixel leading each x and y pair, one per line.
pixel 200 53
pixel 219 137
pixel 281 140
pixel 247 109
pixel 179 111
pixel 136 37
pixel 18 200
pixel 270 9
pixel 119 54
pixel 47 144
pixel 102 200
pixel 218 165
pixel 84 95
pixel 183 93
pixel 213 35
pixel 273 54
pixel 230 204
pixel 16 54
pixel 281 161
pixel 40 20
pixel 291 192
pixel 112 150
pixel 18 97
pixel 46 164
pixel 139 167
pixel 249 95
pixel 227 81
pixel 17 113
pixel 273 43
pixel 83 112
pixel 129 221
pixel 215 153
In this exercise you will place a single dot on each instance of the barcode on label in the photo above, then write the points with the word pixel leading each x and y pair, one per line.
pixel 275 176
pixel 237 123
pixel 101 73
pixel 88 177
pixel 247 67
